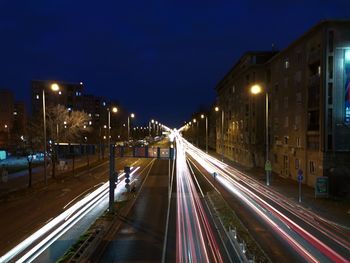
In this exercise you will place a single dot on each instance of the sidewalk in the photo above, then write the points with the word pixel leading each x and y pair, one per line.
pixel 19 180
pixel 336 210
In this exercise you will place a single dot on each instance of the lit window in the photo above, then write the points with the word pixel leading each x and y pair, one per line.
pixel 60 93
pixel 69 109
pixel 286 64
pixel 298 142
pixel 104 103
pixel 37 96
pixel 15 113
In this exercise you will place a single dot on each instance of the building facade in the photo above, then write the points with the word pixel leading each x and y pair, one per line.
pixel 68 95
pixel 308 86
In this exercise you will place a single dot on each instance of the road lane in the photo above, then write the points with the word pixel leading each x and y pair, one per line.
pixel 41 207
pixel 141 234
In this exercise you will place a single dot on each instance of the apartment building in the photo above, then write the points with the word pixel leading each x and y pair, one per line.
pixel 309 107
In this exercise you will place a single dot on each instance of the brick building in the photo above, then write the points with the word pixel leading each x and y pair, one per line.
pixel 309 107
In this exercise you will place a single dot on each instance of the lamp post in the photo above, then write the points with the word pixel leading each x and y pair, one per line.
pixel 114 110
pixel 195 121
pixel 132 115
pixel 54 87
pixel 206 132
pixel 222 132
pixel 256 89
pixel 152 121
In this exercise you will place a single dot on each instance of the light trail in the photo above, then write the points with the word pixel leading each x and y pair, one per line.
pixel 306 244
pixel 59 225
pixel 193 231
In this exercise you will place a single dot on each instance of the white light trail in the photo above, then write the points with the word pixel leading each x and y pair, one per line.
pixel 63 222
pixel 230 177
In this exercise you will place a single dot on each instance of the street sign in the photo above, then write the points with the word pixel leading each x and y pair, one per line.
pixel 300 176
pixel 268 166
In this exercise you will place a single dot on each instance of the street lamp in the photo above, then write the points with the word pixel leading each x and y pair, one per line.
pixel 257 89
pixel 132 115
pixel 217 109
pixel 206 132
pixel 54 87
pixel 195 121
pixel 114 110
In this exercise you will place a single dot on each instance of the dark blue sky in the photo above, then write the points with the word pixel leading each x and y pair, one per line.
pixel 160 59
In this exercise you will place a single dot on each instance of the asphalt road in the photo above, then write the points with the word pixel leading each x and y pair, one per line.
pixel 140 237
pixel 25 213
pixel 274 247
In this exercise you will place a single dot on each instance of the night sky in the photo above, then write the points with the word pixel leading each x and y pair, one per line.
pixel 159 59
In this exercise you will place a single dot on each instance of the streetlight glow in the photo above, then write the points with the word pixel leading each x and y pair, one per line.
pixel 202 116
pixel 132 115
pixel 255 89
pixel 194 120
pixel 115 109
pixel 216 108
pixel 55 87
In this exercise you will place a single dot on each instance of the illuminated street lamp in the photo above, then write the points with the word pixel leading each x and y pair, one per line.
pixel 206 132
pixel 132 115
pixel 114 110
pixel 54 87
pixel 217 109
pixel 255 90
pixel 195 121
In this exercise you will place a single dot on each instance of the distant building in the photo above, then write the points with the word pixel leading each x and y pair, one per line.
pixel 6 116
pixel 309 107
pixel 243 136
pixel 69 95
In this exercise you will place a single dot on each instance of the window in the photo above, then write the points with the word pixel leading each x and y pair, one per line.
pixel 298 98
pixel 319 70
pixel 276 105
pixel 286 122
pixel 275 122
pixel 298 142
pixel 330 119
pixel 286 64
pixel 330 67
pixel 299 58
pixel 330 142
pixel 330 40
pixel 286 138
pixel 297 77
pixel 297 163
pixel 312 167
pixel 330 93
pixel 313 143
pixel 297 120
pixel 37 96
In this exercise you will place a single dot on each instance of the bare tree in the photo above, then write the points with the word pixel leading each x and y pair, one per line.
pixel 61 126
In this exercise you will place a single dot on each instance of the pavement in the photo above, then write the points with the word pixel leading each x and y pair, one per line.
pixel 19 180
pixel 334 209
